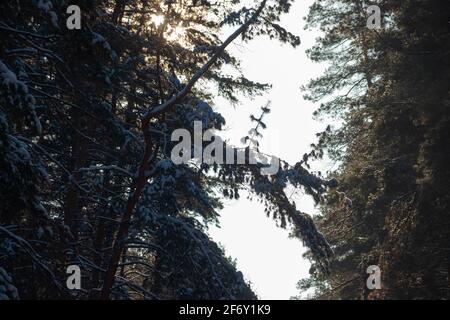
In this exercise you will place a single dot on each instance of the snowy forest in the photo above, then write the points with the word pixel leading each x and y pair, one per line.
pixel 92 91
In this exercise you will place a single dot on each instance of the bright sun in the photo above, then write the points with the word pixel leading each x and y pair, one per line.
pixel 157 20
pixel 172 33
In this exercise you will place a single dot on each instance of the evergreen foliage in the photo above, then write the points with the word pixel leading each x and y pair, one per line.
pixel 85 123
pixel 390 89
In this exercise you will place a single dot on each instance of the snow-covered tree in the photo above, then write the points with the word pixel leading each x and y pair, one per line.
pixel 86 119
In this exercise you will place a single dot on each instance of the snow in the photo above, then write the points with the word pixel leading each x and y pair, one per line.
pixel 54 19
pixel 16 87
pixel 8 77
pixel 203 112
pixel 40 232
pixel 7 290
pixel 98 39
pixel 47 6
pixel 165 164
pixel 37 122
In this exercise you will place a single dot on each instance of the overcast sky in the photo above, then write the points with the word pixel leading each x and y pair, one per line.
pixel 264 253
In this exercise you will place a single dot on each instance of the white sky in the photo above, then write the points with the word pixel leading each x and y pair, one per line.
pixel 270 260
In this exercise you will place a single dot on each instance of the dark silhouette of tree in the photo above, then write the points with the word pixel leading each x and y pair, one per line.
pixel 86 118
pixel 390 89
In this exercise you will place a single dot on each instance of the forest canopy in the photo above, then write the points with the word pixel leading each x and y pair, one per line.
pixel 86 120
pixel 390 87
pixel 91 92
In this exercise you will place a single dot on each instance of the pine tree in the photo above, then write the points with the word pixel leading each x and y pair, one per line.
pixel 86 119
pixel 390 89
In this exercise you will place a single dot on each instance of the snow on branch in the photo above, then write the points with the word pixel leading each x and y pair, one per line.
pixel 18 89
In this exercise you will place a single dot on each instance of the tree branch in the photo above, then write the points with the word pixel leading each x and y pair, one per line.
pixel 188 87
pixel 142 177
